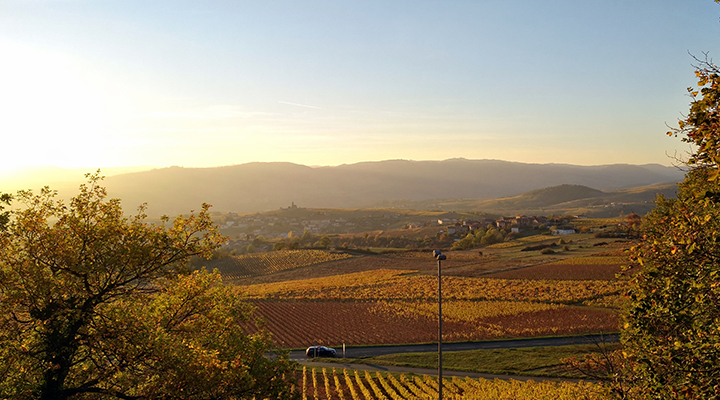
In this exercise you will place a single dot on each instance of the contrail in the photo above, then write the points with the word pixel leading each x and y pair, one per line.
pixel 299 105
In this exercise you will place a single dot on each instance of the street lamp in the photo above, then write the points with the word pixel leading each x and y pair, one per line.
pixel 439 256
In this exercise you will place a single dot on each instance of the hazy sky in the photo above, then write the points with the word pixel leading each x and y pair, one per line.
pixel 203 83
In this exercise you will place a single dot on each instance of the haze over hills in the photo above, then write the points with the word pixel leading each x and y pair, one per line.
pixel 266 186
pixel 257 187
pixel 56 177
pixel 561 200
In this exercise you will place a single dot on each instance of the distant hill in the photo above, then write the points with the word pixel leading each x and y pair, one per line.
pixel 562 199
pixel 57 178
pixel 266 186
pixel 257 187
pixel 547 197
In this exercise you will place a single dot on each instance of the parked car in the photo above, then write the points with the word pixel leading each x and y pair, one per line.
pixel 320 351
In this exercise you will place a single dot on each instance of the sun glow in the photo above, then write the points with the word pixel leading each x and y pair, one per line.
pixel 53 110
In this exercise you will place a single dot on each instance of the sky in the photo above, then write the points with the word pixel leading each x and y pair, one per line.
pixel 106 83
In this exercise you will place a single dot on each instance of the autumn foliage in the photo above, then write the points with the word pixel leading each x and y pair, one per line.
pixel 672 329
pixel 94 304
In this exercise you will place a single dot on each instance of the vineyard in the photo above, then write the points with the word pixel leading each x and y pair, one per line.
pixel 257 264
pixel 426 255
pixel 405 285
pixel 500 293
pixel 578 268
pixel 332 384
pixel 297 324
pixel 394 306
pixel 373 300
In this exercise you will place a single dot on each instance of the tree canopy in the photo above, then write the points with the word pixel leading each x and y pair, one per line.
pixel 94 304
pixel 4 215
pixel 672 328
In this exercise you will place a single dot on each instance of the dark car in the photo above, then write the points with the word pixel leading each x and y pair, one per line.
pixel 320 351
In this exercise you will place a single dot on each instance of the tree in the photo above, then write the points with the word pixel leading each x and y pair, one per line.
pixel 307 238
pixel 672 327
pixel 465 243
pixel 98 305
pixel 491 236
pixel 325 242
pixel 4 215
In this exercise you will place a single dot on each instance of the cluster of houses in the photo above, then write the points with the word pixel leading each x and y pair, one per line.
pixel 269 225
pixel 513 224
pixel 280 226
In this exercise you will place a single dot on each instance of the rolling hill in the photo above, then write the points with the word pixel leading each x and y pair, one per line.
pixel 256 187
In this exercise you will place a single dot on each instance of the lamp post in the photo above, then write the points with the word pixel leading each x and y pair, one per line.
pixel 439 256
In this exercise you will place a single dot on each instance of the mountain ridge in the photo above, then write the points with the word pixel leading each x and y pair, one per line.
pixel 263 186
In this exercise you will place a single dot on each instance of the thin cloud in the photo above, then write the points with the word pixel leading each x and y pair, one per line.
pixel 181 115
pixel 213 112
pixel 299 105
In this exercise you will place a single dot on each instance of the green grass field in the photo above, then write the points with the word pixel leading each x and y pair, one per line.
pixel 530 361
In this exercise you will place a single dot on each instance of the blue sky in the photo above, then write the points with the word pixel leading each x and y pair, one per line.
pixel 119 83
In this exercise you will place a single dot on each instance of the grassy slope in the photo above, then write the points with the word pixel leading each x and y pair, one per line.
pixel 531 361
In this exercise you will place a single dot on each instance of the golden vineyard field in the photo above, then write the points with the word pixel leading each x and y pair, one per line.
pixel 395 306
pixel 577 268
pixel 387 284
pixel 332 384
pixel 297 324
pixel 257 264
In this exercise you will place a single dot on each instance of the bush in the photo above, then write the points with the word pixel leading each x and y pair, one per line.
pixel 537 247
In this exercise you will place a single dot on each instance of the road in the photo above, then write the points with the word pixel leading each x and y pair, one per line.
pixel 355 352
pixel 371 351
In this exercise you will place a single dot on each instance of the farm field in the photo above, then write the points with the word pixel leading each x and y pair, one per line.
pixel 336 384
pixel 385 284
pixel 306 264
pixel 297 324
pixel 259 264
pixel 491 293
pixel 579 268
pixel 395 307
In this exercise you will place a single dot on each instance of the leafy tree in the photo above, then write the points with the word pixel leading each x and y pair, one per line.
pixel 4 215
pixel 465 243
pixel 259 241
pixel 94 304
pixel 307 238
pixel 672 329
pixel 492 236
pixel 700 127
pixel 325 242
pixel 479 233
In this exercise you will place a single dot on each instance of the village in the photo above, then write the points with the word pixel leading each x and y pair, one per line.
pixel 328 222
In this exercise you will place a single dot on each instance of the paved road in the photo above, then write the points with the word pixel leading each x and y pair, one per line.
pixel 355 352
